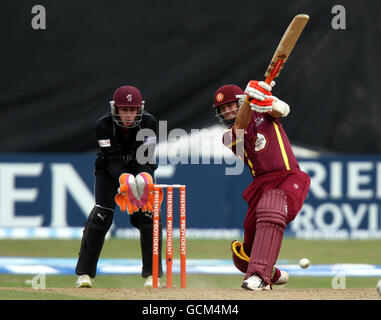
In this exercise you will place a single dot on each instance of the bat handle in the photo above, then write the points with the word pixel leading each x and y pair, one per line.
pixel 269 79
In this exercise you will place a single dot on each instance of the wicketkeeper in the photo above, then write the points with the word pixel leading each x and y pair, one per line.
pixel 122 178
pixel 279 187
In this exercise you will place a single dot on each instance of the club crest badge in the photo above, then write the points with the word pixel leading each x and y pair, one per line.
pixel 219 97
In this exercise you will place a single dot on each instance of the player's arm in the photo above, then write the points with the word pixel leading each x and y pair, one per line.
pixel 243 117
pixel 109 152
pixel 256 93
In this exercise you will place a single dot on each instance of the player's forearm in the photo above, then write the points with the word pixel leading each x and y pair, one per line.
pixel 275 114
pixel 243 116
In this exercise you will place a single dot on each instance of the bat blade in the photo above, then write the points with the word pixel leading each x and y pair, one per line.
pixel 285 46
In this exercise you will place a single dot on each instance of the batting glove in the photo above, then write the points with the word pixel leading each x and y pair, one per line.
pixel 259 89
pixel 241 99
pixel 260 94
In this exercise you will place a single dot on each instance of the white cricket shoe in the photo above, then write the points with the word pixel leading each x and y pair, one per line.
pixel 283 279
pixel 84 281
pixel 255 283
pixel 149 282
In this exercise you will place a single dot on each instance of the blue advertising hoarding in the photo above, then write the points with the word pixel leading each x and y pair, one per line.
pixel 48 192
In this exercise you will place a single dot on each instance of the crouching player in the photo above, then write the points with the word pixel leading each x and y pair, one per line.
pixel 121 178
pixel 279 187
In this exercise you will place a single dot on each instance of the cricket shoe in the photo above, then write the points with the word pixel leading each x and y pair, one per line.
pixel 255 283
pixel 84 281
pixel 149 282
pixel 279 277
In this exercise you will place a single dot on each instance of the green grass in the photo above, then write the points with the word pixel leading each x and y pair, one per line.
pixel 332 251
pixel 318 251
pixel 113 248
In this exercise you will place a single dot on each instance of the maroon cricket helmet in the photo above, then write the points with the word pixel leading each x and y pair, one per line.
pixel 127 96
pixel 225 94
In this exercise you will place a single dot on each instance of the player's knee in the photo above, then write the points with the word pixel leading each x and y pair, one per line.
pixel 101 216
pixel 140 219
pixel 272 208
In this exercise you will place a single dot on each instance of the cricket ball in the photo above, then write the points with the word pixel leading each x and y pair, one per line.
pixel 304 263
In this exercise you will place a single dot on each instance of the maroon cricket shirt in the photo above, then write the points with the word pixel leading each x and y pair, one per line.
pixel 267 152
pixel 266 147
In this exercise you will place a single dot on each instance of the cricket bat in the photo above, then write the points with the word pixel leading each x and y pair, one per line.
pixel 285 46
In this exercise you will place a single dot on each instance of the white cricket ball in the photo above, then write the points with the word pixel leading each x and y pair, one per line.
pixel 304 263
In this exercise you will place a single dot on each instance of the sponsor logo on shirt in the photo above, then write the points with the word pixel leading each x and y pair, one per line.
pixel 260 142
pixel 104 143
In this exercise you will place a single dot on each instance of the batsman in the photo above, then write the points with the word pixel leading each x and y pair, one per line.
pixel 279 188
pixel 121 178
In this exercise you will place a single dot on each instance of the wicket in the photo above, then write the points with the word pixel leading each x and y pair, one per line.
pixel 169 246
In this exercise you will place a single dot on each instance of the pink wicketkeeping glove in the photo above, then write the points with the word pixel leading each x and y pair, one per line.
pixel 127 198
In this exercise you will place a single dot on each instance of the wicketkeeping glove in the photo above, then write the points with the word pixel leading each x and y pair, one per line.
pixel 148 198
pixel 126 197
pixel 144 185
